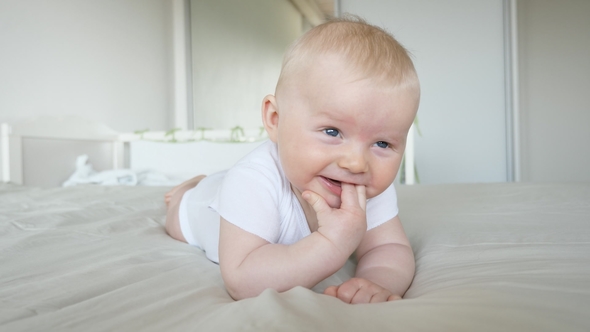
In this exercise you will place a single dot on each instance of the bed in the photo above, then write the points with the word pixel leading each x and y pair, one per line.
pixel 490 257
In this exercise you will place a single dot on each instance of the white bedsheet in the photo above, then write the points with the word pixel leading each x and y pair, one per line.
pixel 493 257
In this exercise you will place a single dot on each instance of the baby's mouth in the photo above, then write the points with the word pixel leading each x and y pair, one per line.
pixel 334 182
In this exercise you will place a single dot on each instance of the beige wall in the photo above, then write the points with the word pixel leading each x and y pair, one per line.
pixel 555 93
pixel 108 61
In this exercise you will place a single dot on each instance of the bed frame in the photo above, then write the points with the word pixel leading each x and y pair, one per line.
pixel 43 151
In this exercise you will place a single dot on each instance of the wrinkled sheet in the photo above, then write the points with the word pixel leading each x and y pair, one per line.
pixel 490 257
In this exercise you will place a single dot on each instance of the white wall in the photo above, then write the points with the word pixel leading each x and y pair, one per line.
pixel 107 60
pixel 237 51
pixel 555 77
pixel 111 61
pixel 457 46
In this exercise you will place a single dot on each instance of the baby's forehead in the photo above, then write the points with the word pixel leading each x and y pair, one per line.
pixel 335 67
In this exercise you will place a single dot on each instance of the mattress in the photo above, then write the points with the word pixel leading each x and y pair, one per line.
pixel 489 257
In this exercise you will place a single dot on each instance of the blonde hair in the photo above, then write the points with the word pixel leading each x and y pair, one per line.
pixel 368 49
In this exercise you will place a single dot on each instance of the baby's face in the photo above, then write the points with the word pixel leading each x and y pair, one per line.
pixel 334 127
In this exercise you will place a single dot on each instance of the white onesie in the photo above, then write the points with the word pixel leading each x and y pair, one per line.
pixel 256 196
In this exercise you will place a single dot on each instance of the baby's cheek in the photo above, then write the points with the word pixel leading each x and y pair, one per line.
pixel 379 185
pixel 372 192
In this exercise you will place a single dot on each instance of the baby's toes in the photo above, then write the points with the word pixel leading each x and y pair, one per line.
pixel 168 197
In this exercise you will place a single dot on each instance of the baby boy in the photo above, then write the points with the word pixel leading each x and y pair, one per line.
pixel 321 188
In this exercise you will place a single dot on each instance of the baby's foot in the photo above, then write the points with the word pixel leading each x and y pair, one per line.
pixel 186 185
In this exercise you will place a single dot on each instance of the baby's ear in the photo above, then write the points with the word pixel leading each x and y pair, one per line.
pixel 270 116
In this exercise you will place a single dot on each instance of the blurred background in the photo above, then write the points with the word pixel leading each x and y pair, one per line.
pixel 504 82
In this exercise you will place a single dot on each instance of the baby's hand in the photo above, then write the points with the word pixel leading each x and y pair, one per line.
pixel 346 226
pixel 359 290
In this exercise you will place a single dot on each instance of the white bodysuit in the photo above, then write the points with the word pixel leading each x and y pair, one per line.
pixel 256 196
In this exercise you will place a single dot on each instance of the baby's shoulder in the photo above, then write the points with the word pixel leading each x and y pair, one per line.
pixel 262 161
pixel 259 170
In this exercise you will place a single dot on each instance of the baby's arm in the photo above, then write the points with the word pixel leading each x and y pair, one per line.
pixel 385 267
pixel 250 264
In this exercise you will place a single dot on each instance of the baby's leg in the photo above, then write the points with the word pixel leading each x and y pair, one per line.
pixel 172 200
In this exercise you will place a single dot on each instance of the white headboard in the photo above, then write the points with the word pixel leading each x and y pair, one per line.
pixel 43 151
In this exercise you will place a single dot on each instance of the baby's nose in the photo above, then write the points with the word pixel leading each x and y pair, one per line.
pixel 354 161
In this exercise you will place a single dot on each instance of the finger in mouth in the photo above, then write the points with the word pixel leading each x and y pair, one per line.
pixel 335 182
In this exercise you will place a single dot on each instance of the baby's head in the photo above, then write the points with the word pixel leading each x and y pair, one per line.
pixel 345 100
pixel 366 50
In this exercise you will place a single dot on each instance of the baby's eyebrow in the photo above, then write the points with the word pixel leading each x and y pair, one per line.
pixel 333 117
pixel 326 112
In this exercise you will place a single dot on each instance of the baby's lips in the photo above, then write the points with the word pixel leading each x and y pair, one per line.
pixel 335 182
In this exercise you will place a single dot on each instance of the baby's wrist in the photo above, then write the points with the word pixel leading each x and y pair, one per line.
pixel 343 245
pixel 338 250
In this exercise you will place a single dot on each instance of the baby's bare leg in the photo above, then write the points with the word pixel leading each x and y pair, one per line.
pixel 172 200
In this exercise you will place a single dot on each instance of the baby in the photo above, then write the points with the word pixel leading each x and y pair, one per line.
pixel 321 188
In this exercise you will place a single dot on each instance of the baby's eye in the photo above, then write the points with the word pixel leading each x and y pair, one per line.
pixel 382 144
pixel 332 132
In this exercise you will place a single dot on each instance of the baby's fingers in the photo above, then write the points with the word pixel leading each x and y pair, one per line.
pixel 331 291
pixel 317 202
pixel 362 196
pixel 394 298
pixel 353 196
pixel 381 297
